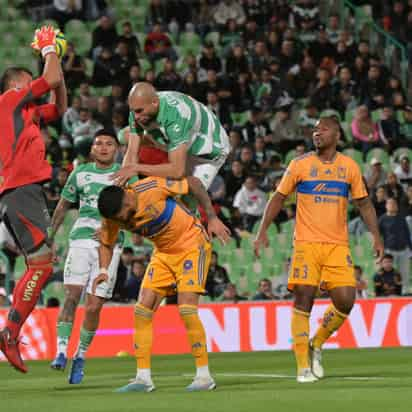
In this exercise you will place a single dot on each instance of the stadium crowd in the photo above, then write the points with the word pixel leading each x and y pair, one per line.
pixel 268 69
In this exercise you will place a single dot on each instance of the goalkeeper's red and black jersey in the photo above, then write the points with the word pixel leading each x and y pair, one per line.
pixel 22 148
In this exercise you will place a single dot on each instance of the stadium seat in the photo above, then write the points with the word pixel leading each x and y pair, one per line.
pixel 239 118
pixel 379 154
pixel 347 130
pixel 331 112
pixel 145 65
pixel 213 37
pixel 349 114
pixel 356 155
pixel 291 154
pixel 400 151
pixel 376 115
pixel 400 117
pixel 190 42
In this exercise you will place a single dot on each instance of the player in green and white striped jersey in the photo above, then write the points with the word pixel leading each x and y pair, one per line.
pixel 196 141
pixel 83 186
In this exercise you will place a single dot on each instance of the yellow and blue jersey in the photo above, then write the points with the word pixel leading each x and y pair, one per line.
pixel 160 217
pixel 322 190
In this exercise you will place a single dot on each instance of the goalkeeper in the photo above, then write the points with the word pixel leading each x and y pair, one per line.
pixel 23 169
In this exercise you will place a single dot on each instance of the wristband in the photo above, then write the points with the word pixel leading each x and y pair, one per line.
pixel 104 270
pixel 48 49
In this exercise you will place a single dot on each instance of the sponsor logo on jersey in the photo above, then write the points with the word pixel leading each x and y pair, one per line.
pixel 323 187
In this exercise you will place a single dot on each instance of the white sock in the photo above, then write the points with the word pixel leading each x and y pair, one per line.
pixel 145 374
pixel 62 344
pixel 203 372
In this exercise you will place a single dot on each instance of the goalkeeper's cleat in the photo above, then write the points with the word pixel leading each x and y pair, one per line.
pixel 202 384
pixel 316 362
pixel 10 348
pixel 60 362
pixel 137 385
pixel 76 371
pixel 306 376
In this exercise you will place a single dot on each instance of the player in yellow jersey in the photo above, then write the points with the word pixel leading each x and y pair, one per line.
pixel 322 180
pixel 180 261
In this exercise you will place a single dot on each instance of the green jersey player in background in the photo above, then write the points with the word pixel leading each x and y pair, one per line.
pixel 196 142
pixel 81 267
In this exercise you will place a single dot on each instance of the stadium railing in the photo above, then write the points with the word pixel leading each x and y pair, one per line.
pixel 390 49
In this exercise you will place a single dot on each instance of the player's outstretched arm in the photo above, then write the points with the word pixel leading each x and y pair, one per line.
pixel 105 257
pixel 58 96
pixel 215 225
pixel 46 43
pixel 133 146
pixel 368 214
pixel 174 169
pixel 58 216
pixel 272 209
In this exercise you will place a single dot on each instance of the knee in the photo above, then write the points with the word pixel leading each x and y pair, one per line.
pixel 186 311
pixel 93 308
pixel 41 257
pixel 344 307
pixel 303 299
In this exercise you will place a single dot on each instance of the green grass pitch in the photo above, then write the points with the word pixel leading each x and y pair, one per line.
pixel 357 380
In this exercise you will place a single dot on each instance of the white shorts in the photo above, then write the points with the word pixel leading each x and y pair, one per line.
pixel 206 170
pixel 82 267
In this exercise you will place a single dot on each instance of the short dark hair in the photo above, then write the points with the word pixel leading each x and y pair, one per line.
pixel 335 119
pixel 128 250
pixel 110 201
pixel 106 132
pixel 357 267
pixel 11 74
pixel 387 256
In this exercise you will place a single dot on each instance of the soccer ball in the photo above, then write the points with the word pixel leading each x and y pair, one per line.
pixel 61 44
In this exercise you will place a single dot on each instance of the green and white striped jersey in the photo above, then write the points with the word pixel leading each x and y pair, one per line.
pixel 182 119
pixel 84 185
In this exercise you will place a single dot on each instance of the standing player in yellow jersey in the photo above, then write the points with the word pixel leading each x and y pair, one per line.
pixel 322 180
pixel 180 261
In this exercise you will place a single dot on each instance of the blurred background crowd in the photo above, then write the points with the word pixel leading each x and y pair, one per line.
pixel 268 69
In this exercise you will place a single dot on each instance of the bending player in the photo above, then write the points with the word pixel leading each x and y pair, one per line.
pixel 196 142
pixel 322 180
pixel 179 263
pixel 23 168
pixel 83 186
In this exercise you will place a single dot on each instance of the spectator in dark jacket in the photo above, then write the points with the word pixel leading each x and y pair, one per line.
pixel 387 280
pixel 134 282
pixel 264 291
pixel 397 240
pixel 217 278
pixel 104 35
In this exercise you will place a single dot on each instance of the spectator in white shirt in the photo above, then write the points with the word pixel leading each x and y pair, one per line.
pixel 404 172
pixel 250 203
pixel 229 9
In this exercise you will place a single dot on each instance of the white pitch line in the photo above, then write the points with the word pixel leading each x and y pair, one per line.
pixel 280 376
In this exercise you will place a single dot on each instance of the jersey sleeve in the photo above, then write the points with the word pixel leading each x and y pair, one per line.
pixel 70 191
pixel 109 232
pixel 289 180
pixel 173 187
pixel 357 185
pixel 48 112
